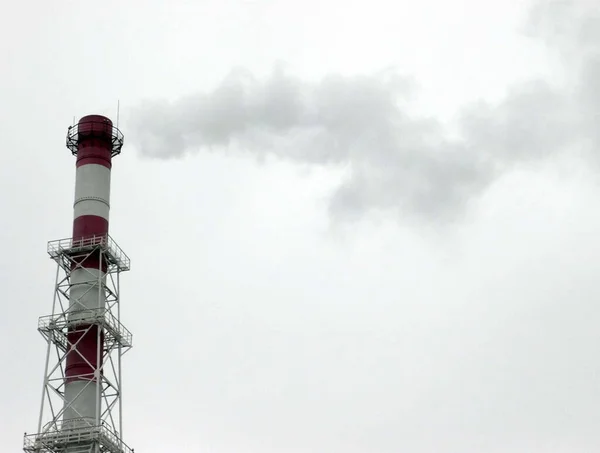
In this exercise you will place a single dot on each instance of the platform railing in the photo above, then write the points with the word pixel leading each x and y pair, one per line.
pixel 69 246
pixel 56 441
pixel 94 129
pixel 52 324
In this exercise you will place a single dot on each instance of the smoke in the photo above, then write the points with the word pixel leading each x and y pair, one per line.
pixel 395 160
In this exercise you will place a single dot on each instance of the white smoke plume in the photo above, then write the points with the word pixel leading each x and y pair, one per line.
pixel 396 160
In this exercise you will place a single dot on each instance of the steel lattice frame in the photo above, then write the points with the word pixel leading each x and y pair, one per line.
pixel 106 432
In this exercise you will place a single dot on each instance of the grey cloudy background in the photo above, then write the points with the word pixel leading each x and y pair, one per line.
pixel 355 227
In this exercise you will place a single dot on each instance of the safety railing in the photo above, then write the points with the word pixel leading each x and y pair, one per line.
pixel 114 255
pixel 58 325
pixel 57 441
pixel 94 129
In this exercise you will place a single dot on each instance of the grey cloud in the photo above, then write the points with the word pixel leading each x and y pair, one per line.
pixel 569 27
pixel 396 161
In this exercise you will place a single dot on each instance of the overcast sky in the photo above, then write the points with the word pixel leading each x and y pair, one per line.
pixel 355 227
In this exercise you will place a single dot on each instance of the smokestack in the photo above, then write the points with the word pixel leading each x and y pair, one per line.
pixel 82 384
pixel 93 148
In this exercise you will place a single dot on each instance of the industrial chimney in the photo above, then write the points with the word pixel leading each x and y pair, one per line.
pixel 81 408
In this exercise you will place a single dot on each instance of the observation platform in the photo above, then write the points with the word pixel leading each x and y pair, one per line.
pixel 94 128
pixel 66 251
pixel 79 440
pixel 56 327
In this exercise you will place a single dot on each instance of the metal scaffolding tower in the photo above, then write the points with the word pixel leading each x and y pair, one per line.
pixel 61 428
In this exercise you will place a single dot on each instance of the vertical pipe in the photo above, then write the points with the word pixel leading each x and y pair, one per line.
pixel 119 364
pixel 98 370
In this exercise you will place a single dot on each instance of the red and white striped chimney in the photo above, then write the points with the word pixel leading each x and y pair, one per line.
pixel 94 148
